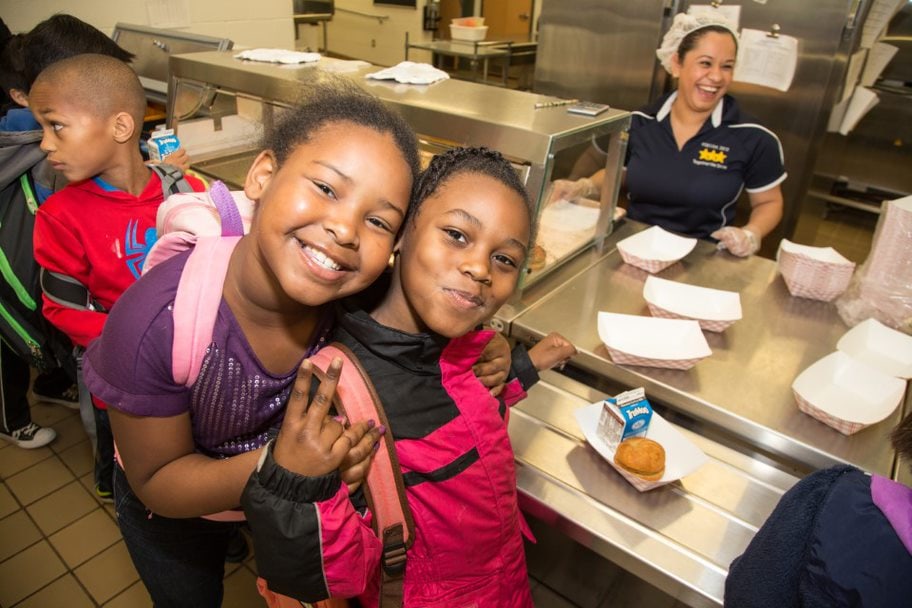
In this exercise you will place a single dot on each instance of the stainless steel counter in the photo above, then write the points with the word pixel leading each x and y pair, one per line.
pixel 680 537
pixel 505 120
pixel 230 98
pixel 742 392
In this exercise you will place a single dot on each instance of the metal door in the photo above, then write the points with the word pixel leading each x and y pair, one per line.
pixel 600 50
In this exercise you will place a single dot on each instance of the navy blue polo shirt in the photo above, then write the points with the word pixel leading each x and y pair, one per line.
pixel 693 191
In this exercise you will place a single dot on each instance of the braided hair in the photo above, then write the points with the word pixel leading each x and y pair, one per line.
pixel 456 161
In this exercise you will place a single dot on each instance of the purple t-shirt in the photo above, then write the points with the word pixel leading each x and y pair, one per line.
pixel 235 401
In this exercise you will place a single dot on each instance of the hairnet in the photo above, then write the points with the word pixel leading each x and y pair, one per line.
pixel 684 24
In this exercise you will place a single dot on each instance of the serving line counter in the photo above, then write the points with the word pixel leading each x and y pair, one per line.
pixel 680 537
pixel 736 406
pixel 741 393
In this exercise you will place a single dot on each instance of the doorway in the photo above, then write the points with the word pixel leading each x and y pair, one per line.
pixel 508 19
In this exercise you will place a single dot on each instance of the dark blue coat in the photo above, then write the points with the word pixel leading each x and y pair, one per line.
pixel 825 545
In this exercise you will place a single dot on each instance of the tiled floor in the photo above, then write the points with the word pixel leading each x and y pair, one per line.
pixel 60 546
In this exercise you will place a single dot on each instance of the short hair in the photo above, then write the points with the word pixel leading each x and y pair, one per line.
pixel 60 37
pixel 339 100
pixel 457 161
pixel 99 84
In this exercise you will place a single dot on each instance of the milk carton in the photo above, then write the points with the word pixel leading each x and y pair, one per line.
pixel 162 143
pixel 623 416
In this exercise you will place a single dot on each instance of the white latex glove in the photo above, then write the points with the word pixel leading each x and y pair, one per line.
pixel 739 241
pixel 568 190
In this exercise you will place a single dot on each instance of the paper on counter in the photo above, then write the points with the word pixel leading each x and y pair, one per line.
pixel 766 60
pixel 278 56
pixel 410 72
pixel 878 58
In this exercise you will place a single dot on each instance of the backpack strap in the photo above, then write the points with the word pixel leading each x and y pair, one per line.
pixel 385 489
pixel 196 305
pixel 66 291
pixel 227 209
pixel 172 179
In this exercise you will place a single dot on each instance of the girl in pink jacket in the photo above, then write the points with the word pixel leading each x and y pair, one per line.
pixel 464 244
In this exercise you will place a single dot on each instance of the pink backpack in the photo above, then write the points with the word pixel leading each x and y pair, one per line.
pixel 212 226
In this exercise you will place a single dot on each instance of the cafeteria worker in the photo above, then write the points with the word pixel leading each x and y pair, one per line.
pixel 692 152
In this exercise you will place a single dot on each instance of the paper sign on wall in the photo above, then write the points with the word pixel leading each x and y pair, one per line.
pixel 879 15
pixel 168 13
pixel 766 60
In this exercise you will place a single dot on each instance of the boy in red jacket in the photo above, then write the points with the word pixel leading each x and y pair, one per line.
pixel 91 238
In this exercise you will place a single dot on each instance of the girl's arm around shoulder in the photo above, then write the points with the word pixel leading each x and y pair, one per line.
pixel 309 541
pixel 552 350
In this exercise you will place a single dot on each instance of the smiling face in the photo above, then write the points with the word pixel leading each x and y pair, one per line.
pixel 78 143
pixel 459 259
pixel 705 72
pixel 326 220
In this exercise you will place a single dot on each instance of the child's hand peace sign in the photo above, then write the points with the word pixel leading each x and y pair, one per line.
pixel 313 443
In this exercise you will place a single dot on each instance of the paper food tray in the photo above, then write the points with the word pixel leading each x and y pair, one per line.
pixel 682 457
pixel 654 249
pixel 713 309
pixel 826 255
pixel 819 273
pixel 879 346
pixel 846 394
pixel 650 341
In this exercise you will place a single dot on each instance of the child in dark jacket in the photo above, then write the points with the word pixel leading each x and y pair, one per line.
pixel 458 261
pixel 838 538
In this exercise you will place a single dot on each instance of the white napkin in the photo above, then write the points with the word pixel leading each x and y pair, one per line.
pixel 278 56
pixel 409 72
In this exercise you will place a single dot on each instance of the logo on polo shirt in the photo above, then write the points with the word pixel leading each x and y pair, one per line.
pixel 712 155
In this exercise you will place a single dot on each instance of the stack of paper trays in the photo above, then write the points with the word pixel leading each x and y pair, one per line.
pixel 819 273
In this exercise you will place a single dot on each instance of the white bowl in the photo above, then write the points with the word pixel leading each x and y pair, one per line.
pixel 879 346
pixel 654 249
pixel 713 309
pixel 653 342
pixel 819 273
pixel 682 457
pixel 472 34
pixel 846 394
